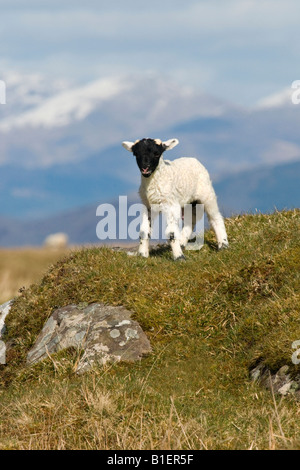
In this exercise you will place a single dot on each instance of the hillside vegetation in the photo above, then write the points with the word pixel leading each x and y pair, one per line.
pixel 210 320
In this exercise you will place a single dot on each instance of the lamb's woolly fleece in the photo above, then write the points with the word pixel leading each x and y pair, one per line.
pixel 181 181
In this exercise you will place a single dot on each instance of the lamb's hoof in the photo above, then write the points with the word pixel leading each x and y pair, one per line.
pixel 224 246
pixel 143 255
pixel 131 253
pixel 180 258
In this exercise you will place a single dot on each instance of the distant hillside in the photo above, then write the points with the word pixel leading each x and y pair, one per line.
pixel 263 189
pixel 80 225
pixel 60 145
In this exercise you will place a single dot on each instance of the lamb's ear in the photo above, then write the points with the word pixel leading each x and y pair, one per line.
pixel 128 146
pixel 169 144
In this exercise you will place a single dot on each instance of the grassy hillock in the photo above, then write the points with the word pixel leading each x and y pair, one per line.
pixel 210 320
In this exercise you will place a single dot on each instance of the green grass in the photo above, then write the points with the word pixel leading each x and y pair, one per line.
pixel 209 320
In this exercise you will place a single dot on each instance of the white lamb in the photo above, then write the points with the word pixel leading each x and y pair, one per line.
pixel 170 185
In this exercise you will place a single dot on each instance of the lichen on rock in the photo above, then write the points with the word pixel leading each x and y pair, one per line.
pixel 105 333
pixel 280 382
pixel 4 311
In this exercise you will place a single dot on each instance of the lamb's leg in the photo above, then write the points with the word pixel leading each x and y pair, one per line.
pixel 173 215
pixel 144 234
pixel 190 220
pixel 216 221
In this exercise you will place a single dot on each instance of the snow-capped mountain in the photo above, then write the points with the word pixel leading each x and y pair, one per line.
pixel 69 124
pixel 32 101
pixel 288 97
pixel 63 107
pixel 60 143
pixel 27 91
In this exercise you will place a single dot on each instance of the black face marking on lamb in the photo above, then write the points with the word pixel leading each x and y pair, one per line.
pixel 147 153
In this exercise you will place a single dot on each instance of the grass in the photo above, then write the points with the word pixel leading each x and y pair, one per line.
pixel 209 320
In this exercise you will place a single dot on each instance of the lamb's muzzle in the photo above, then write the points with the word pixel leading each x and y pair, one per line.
pixel 171 185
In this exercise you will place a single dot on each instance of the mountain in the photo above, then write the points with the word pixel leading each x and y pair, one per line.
pixel 38 192
pixel 60 146
pixel 242 140
pixel 282 99
pixel 80 225
pixel 73 124
pixel 28 91
pixel 264 189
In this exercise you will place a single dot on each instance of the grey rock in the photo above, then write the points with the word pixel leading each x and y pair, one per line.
pixel 105 333
pixel 4 311
pixel 283 371
pixel 256 373
pixel 280 382
pixel 285 389
pixel 2 352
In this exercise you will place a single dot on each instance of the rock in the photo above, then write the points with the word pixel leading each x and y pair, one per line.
pixel 279 382
pixel 2 353
pixel 256 373
pixel 4 311
pixel 105 333
pixel 285 388
pixel 283 371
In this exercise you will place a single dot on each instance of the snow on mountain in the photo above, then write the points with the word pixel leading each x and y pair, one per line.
pixel 60 142
pixel 67 125
pixel 277 100
pixel 25 91
pixel 65 107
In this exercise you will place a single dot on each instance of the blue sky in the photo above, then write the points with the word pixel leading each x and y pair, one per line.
pixel 240 50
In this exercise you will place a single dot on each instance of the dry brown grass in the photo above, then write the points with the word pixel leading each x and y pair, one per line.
pixel 87 413
pixel 21 267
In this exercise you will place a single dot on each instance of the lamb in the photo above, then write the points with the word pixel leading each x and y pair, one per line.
pixel 171 185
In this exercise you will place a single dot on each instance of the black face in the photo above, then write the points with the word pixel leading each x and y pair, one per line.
pixel 147 153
